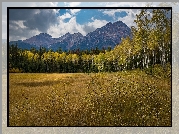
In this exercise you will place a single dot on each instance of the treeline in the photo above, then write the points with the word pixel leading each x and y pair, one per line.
pixel 44 60
pixel 150 45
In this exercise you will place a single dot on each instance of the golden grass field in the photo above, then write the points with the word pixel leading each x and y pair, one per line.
pixel 128 98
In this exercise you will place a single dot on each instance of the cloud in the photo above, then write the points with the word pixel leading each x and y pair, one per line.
pixel 72 4
pixel 22 14
pixel 129 19
pixel 112 13
pixel 19 32
pixel 63 27
pixel 96 23
pixel 41 21
pixel 36 20
pixel 91 26
pixel 46 4
pixel 19 23
pixel 74 11
pixel 125 4
pixel 65 16
pixel 21 4
pixel 73 27
pixel 109 12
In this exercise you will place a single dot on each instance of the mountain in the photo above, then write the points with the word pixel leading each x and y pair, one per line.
pixel 67 41
pixel 107 36
pixel 23 45
pixel 43 39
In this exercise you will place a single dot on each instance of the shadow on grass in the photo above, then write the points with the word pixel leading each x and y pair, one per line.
pixel 37 84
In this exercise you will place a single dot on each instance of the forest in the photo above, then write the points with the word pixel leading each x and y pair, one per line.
pixel 150 45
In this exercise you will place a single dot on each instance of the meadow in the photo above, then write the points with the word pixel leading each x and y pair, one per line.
pixel 125 98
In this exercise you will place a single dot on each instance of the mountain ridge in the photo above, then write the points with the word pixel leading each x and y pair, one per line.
pixel 108 35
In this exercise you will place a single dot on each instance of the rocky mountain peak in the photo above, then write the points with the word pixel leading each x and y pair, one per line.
pixel 44 35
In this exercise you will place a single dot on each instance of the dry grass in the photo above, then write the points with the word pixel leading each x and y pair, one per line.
pixel 130 98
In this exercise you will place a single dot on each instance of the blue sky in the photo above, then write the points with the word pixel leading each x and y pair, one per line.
pixel 88 15
pixel 59 22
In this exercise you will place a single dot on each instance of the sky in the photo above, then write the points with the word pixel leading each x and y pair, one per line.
pixel 25 23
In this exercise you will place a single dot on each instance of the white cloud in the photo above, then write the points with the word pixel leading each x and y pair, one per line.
pixel 129 19
pixel 65 16
pixel 22 33
pixel 62 28
pixel 120 4
pixel 20 24
pixel 21 4
pixel 109 12
pixel 112 12
pixel 72 4
pixel 74 11
pixel 73 27
pixel 46 4
pixel 125 4
pixel 97 23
